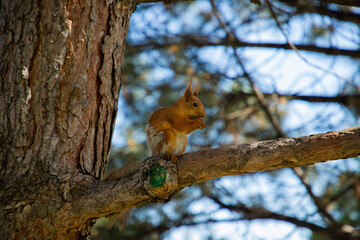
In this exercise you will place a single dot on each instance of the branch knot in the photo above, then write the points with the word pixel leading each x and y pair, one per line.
pixel 159 177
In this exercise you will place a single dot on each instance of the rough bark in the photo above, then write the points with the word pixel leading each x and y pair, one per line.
pixel 60 67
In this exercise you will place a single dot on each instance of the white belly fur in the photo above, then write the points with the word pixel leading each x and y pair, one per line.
pixel 180 143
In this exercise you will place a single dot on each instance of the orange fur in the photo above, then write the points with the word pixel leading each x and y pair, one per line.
pixel 167 128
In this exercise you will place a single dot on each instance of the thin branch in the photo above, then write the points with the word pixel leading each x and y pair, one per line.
pixel 296 50
pixel 204 41
pixel 351 3
pixel 324 10
pixel 348 100
pixel 318 203
pixel 163 1
pixel 354 3
pixel 251 213
pixel 341 193
pixel 258 94
pixel 261 99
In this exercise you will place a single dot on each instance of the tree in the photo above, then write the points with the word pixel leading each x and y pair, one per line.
pixel 60 80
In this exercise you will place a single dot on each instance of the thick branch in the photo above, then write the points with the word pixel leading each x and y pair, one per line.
pixel 103 199
pixel 267 155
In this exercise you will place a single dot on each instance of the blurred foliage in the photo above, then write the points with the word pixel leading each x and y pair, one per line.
pixel 169 44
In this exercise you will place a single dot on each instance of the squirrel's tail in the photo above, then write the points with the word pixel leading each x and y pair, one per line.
pixel 121 219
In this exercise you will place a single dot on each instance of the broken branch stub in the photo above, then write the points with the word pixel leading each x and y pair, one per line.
pixel 159 177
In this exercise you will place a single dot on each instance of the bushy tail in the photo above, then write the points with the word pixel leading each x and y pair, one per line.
pixel 121 219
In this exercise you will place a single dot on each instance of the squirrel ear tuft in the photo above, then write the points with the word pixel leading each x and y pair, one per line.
pixel 196 89
pixel 187 91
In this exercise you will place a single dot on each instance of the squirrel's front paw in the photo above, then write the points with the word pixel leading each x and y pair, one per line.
pixel 201 123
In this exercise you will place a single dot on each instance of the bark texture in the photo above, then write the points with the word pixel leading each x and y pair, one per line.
pixel 267 155
pixel 60 68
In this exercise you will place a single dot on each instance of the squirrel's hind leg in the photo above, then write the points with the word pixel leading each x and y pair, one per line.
pixel 172 158
pixel 162 143
pixel 167 147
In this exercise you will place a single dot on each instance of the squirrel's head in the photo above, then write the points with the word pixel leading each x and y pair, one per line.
pixel 192 104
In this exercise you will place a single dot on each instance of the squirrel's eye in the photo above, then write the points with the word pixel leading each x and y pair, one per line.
pixel 195 104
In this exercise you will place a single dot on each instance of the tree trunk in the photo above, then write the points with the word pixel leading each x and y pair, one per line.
pixel 60 68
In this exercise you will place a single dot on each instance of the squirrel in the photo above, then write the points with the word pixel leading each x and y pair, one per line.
pixel 168 126
pixel 166 136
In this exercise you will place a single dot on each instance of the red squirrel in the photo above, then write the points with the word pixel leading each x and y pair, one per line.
pixel 167 129
pixel 168 126
pixel 166 136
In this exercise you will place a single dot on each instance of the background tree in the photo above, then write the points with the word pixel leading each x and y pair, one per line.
pixel 285 68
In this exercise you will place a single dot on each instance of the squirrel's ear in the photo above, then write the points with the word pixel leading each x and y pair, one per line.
pixel 197 88
pixel 187 91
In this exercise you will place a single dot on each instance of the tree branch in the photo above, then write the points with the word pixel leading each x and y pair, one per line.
pixel 266 155
pixel 251 213
pixel 323 9
pixel 354 3
pixel 196 41
pixel 318 202
pixel 101 199
pixel 255 89
pixel 347 100
pixel 351 3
